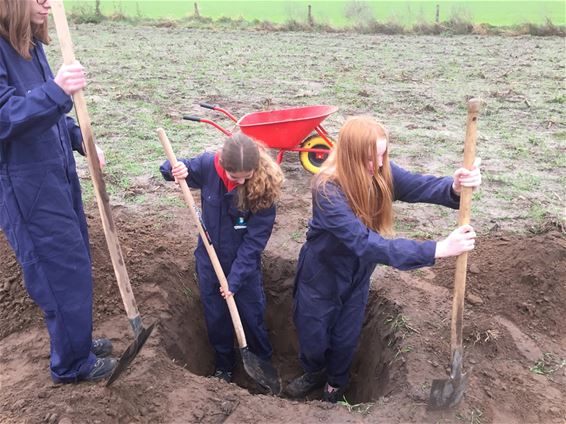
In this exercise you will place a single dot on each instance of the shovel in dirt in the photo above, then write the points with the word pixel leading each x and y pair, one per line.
pixel 141 333
pixel 447 393
pixel 260 370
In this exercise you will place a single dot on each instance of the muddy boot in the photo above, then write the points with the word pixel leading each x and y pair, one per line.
pixel 103 368
pixel 101 347
pixel 332 394
pixel 300 386
pixel 223 375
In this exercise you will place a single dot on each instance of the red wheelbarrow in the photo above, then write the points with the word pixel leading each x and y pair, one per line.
pixel 285 129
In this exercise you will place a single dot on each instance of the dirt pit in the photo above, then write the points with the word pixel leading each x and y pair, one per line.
pixel 515 340
pixel 188 346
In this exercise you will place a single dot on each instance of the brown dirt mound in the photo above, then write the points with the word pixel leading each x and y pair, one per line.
pixel 515 303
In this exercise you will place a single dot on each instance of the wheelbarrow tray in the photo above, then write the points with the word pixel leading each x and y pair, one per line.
pixel 284 128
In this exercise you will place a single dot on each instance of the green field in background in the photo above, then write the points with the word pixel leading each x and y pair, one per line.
pixel 499 12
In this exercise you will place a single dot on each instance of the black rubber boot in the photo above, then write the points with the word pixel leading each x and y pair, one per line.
pixel 300 386
pixel 223 375
pixel 103 368
pixel 101 347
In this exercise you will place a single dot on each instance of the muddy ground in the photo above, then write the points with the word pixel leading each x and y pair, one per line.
pixel 513 318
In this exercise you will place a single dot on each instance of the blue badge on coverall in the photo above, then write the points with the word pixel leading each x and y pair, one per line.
pixel 240 224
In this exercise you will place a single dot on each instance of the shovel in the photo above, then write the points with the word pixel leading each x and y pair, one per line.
pixel 447 393
pixel 260 370
pixel 141 333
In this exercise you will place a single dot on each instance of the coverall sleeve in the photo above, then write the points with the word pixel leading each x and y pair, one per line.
pixel 31 115
pixel 333 213
pixel 414 188
pixel 76 135
pixel 195 166
pixel 260 226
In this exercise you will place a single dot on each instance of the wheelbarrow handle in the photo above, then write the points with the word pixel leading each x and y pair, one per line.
pixel 189 200
pixel 192 118
pixel 208 105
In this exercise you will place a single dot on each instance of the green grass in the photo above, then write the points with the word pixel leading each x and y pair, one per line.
pixel 144 77
pixel 341 13
pixel 548 364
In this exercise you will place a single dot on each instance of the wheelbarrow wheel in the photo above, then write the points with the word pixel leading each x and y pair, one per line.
pixel 312 161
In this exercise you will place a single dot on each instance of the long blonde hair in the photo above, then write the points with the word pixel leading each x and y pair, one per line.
pixel 242 154
pixel 369 196
pixel 16 27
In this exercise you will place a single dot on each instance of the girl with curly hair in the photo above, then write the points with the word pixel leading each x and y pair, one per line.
pixel 239 187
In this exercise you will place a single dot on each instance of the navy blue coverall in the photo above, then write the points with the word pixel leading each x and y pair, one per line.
pixel 335 265
pixel 41 212
pixel 239 251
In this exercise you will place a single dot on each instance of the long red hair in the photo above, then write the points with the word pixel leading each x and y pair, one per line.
pixel 369 196
pixel 16 27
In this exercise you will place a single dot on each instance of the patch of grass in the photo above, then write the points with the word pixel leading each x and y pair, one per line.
pixel 484 336
pixel 558 99
pixel 472 417
pixel 400 323
pixel 402 350
pixel 548 364
pixel 360 408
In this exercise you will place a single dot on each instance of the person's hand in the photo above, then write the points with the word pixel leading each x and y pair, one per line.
pixel 461 240
pixel 225 294
pixel 71 78
pixel 101 158
pixel 179 172
pixel 466 178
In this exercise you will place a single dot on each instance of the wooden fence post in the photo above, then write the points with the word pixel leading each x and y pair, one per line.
pixel 310 19
pixel 197 13
pixel 437 18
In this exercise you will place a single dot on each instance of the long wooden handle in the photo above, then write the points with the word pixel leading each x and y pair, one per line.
pixel 189 200
pixel 464 218
pixel 112 241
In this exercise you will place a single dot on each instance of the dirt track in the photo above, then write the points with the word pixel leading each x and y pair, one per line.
pixel 513 316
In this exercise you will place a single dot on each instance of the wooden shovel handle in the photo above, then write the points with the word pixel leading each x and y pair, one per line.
pixel 112 241
pixel 464 218
pixel 189 200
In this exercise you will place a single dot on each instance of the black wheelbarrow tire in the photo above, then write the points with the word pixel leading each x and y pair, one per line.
pixel 312 161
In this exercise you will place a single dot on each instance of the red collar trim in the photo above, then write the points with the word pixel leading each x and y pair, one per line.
pixel 229 184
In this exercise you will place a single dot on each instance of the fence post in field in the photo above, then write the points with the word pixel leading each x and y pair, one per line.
pixel 97 9
pixel 437 17
pixel 310 19
pixel 197 13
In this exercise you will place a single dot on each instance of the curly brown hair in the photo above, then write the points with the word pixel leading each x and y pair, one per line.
pixel 242 154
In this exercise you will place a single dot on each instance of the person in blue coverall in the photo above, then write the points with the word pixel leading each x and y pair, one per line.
pixel 352 215
pixel 41 212
pixel 239 187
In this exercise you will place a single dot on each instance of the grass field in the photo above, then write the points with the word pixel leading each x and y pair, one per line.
pixel 142 77
pixel 342 13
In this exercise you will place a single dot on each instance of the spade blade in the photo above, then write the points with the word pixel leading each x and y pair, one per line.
pixel 261 371
pixel 445 394
pixel 131 352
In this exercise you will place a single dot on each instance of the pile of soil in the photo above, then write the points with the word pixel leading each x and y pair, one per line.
pixel 515 304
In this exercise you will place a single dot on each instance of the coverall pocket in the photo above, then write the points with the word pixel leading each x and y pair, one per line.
pixel 27 186
pixel 314 276
pixel 52 222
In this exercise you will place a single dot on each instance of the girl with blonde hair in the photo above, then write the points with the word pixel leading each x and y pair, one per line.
pixel 239 185
pixel 352 215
